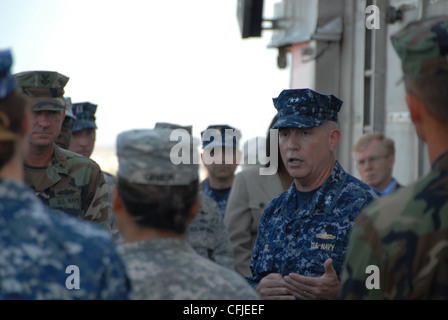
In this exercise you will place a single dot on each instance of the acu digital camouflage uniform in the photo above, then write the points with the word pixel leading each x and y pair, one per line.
pixel 208 235
pixel 71 183
pixel 168 267
pixel 406 234
pixel 298 236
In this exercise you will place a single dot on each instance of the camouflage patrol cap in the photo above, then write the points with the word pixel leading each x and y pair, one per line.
pixel 45 87
pixel 305 108
pixel 7 82
pixel 230 137
pixel 7 85
pixel 172 126
pixel 144 157
pixel 85 116
pixel 69 108
pixel 423 47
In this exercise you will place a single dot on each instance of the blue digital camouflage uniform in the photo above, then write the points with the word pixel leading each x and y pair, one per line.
pixel 219 196
pixel 229 139
pixel 405 234
pixel 38 244
pixel 299 237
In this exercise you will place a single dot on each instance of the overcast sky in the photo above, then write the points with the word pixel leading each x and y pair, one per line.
pixel 144 61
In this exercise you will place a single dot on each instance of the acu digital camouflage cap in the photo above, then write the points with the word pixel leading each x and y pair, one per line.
pixel 85 116
pixel 423 47
pixel 172 126
pixel 45 87
pixel 144 157
pixel 305 108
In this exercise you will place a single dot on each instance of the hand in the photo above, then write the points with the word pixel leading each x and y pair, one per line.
pixel 273 287
pixel 312 288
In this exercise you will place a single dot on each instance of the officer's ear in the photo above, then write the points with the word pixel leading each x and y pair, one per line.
pixel 334 137
pixel 416 111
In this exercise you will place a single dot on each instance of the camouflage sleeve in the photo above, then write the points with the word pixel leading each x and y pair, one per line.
pixel 223 253
pixel 208 235
pixel 99 208
pixel 364 250
pixel 255 259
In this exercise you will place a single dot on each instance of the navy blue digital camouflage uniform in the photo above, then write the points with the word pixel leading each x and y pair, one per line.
pixel 227 141
pixel 298 236
pixel 38 244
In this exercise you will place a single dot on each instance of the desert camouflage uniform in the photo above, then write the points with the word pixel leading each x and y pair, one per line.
pixel 37 245
pixel 73 184
pixel 299 237
pixel 406 234
pixel 170 269
pixel 208 235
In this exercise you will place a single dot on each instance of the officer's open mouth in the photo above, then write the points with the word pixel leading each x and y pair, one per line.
pixel 294 160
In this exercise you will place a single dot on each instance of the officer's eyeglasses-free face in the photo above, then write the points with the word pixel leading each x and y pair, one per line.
pixel 373 160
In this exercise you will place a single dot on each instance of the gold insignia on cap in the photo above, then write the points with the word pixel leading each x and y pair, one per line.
pixel 325 236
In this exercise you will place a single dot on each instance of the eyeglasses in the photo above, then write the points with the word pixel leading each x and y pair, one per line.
pixel 373 160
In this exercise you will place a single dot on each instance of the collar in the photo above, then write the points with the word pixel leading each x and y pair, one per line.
pixel 59 164
pixel 391 187
pixel 322 199
pixel 441 162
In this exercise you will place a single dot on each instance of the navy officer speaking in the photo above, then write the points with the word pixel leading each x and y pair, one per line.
pixel 303 233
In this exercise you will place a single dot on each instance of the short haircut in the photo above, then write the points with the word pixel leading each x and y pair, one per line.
pixel 363 142
pixel 433 92
pixel 159 207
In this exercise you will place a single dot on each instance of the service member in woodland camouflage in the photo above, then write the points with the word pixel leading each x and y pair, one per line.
pixel 63 180
pixel 44 254
pixel 405 235
pixel 154 202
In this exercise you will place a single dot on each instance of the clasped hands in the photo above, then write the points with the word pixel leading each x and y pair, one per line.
pixel 295 286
